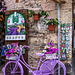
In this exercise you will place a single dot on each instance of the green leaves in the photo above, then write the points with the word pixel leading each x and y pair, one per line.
pixel 43 13
pixel 51 21
pixel 31 13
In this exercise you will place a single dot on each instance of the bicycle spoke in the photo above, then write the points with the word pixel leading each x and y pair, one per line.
pixel 10 66
pixel 57 68
pixel 18 72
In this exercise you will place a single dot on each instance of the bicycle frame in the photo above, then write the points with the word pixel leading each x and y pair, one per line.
pixel 25 64
pixel 49 71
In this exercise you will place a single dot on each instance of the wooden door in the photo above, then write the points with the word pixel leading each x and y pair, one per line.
pixel 21 42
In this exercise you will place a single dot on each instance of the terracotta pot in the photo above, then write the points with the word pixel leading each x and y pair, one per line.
pixel 51 27
pixel 36 17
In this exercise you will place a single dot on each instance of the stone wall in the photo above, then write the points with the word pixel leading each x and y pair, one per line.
pixel 37 38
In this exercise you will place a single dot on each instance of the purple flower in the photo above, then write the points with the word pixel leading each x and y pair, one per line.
pixel 48 43
pixel 52 44
pixel 5 54
pixel 11 50
pixel 8 55
pixel 49 17
pixel 49 48
pixel 48 52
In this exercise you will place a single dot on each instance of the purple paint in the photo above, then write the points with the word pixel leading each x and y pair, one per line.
pixel 46 68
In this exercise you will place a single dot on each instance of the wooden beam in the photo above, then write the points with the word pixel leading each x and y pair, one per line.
pixel 58 1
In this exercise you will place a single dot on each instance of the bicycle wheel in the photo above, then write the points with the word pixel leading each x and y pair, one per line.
pixel 10 66
pixel 62 68
pixel 50 67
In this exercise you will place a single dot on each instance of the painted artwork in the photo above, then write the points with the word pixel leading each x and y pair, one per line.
pixel 15 27
pixel 65 28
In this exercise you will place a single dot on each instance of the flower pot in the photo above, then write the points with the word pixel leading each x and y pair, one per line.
pixel 51 56
pixel 13 57
pixel 51 27
pixel 36 17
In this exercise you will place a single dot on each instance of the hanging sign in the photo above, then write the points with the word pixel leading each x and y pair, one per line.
pixel 15 27
pixel 65 41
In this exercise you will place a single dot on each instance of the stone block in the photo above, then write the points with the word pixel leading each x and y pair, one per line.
pixel 48 6
pixel 32 2
pixel 51 37
pixel 53 14
pixel 36 40
pixel 27 3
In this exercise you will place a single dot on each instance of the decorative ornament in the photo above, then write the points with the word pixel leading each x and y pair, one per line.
pixel 2 6
pixel 41 25
pixel 65 41
pixel 20 27
pixel 22 21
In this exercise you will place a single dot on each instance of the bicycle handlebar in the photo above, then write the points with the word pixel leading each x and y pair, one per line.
pixel 25 46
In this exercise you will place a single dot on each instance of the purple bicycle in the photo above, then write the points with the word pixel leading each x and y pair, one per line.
pixel 48 67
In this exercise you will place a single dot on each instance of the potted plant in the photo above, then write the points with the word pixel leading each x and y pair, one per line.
pixel 51 23
pixel 50 51
pixel 35 15
pixel 11 52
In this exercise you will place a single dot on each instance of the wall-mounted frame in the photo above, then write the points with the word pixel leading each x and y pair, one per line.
pixel 15 27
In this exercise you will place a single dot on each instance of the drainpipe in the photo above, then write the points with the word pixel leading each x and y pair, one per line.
pixel 58 6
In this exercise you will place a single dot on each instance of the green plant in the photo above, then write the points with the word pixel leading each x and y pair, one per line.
pixel 65 25
pixel 43 13
pixel 51 21
pixel 31 13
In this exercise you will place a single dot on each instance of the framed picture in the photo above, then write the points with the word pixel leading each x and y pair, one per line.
pixel 15 27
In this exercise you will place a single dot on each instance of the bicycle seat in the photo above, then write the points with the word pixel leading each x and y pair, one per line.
pixel 40 54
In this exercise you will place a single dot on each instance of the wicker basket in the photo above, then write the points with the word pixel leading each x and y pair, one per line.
pixel 51 56
pixel 12 57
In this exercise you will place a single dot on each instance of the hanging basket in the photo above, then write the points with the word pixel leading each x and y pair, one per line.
pixel 36 17
pixel 12 57
pixel 51 27
pixel 51 56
